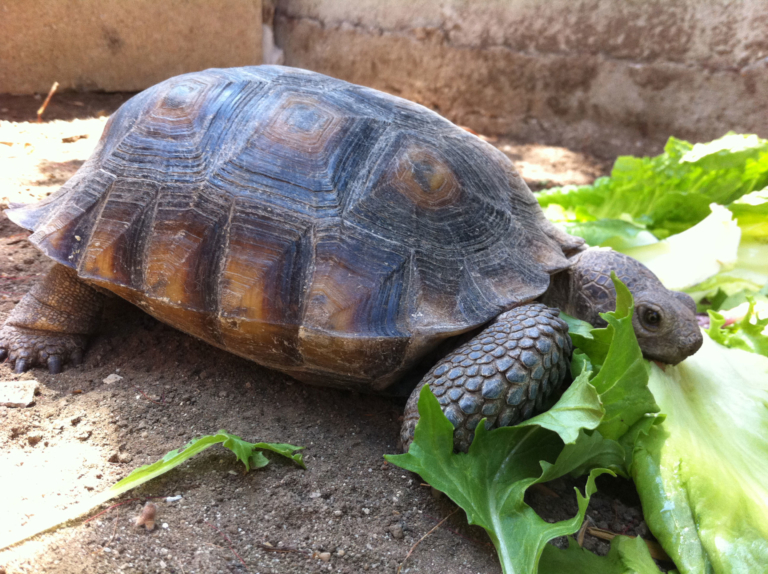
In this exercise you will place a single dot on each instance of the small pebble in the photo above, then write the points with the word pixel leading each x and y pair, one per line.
pixel 18 394
pixel 325 556
pixel 34 438
pixel 147 516
pixel 337 512
pixel 84 434
pixel 121 457
pixel 113 378
pixel 366 510
pixel 396 531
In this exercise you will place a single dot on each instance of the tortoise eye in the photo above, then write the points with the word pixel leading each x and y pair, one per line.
pixel 652 317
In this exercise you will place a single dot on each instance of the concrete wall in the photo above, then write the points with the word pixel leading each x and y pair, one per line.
pixel 121 45
pixel 609 76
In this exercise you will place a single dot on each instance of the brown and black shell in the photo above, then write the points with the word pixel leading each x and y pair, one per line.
pixel 314 226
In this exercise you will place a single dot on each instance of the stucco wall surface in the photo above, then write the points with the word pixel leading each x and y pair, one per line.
pixel 605 75
pixel 121 45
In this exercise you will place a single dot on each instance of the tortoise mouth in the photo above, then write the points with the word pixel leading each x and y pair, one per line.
pixel 674 354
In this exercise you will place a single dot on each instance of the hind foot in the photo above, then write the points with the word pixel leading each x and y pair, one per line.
pixel 27 348
pixel 50 325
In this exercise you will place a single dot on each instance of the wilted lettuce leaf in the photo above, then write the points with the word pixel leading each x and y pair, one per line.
pixel 246 452
pixel 701 473
pixel 749 334
pixel 668 193
pixel 626 556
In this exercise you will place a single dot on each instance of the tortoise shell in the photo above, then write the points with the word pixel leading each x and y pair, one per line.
pixel 317 227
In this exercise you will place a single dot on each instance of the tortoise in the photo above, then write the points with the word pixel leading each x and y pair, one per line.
pixel 333 232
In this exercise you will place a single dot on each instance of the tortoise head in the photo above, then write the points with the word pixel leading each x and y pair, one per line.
pixel 664 321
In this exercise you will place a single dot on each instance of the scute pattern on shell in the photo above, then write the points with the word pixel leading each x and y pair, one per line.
pixel 314 226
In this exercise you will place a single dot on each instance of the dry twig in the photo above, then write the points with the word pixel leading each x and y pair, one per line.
pixel 45 103
pixel 146 396
pixel 439 524
pixel 229 542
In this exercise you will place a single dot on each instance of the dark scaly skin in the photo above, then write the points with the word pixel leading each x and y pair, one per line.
pixel 51 324
pixel 505 374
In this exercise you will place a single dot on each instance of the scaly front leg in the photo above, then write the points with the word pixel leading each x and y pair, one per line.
pixel 505 374
pixel 51 324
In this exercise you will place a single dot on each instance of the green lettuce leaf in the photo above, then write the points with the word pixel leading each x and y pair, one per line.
pixel 615 233
pixel 688 258
pixel 701 472
pixel 749 276
pixel 751 212
pixel 669 193
pixel 627 556
pixel 669 196
pixel 749 334
pixel 490 480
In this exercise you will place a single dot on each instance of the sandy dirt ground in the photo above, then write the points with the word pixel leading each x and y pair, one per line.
pixel 348 512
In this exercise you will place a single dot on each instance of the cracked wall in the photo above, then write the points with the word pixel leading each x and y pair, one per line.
pixel 608 76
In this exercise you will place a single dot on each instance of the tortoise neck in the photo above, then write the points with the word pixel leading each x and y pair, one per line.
pixel 565 293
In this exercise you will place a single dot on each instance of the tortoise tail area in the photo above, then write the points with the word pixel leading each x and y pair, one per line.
pixel 62 221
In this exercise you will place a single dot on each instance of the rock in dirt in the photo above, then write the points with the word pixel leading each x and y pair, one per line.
pixel 18 393
pixel 120 457
pixel 147 516
pixel 84 434
pixel 113 378
pixel 34 438
pixel 396 531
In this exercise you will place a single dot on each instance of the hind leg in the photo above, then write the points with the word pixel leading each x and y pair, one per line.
pixel 51 324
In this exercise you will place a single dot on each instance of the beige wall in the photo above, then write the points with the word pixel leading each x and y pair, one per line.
pixel 121 45
pixel 606 75
pixel 610 76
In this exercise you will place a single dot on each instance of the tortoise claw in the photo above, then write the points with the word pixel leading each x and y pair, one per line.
pixel 54 364
pixel 21 365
